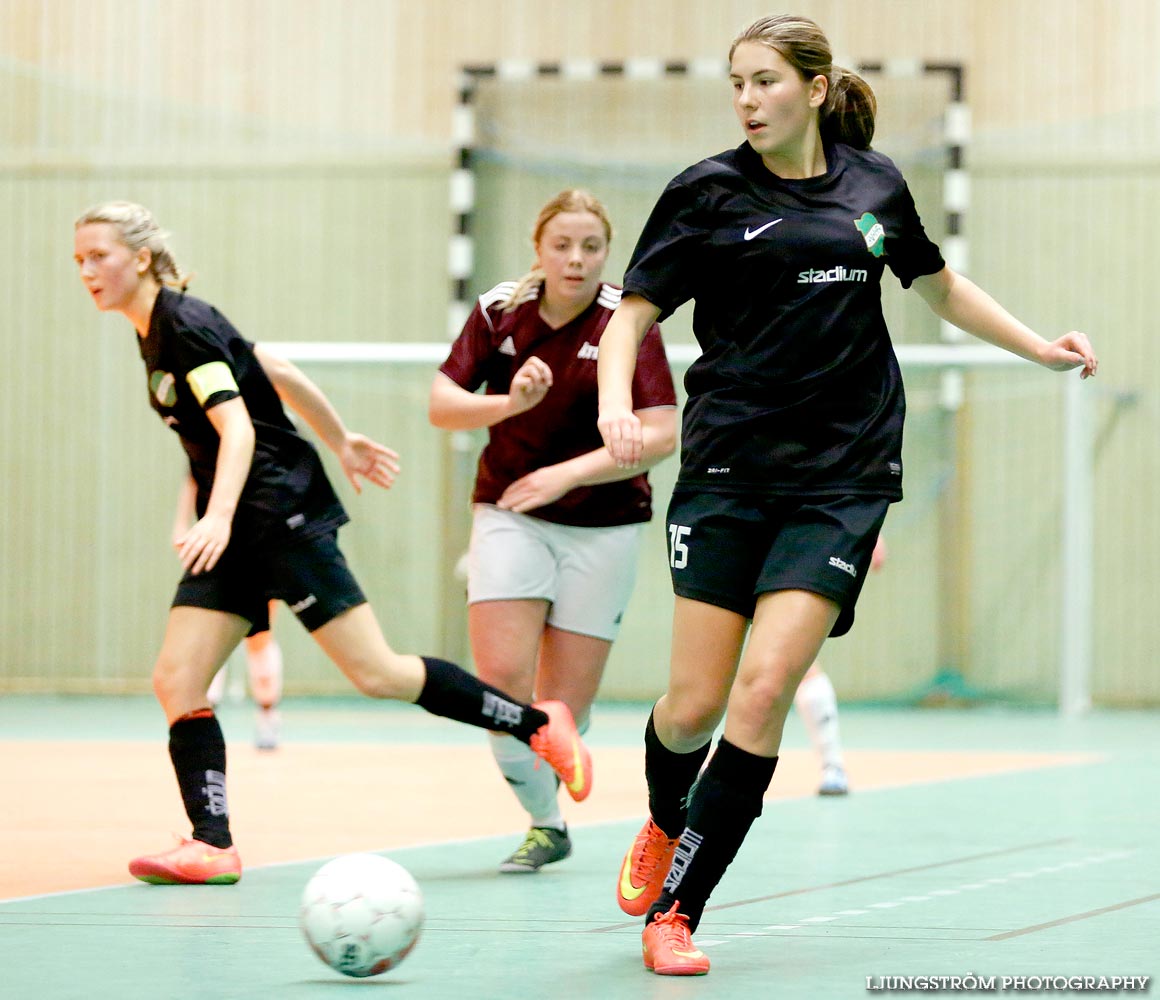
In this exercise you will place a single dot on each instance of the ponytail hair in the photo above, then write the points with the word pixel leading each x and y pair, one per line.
pixel 571 200
pixel 850 108
pixel 137 229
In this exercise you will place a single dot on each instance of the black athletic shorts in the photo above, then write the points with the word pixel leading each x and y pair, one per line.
pixel 311 576
pixel 726 550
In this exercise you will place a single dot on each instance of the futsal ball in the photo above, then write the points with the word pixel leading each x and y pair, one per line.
pixel 362 914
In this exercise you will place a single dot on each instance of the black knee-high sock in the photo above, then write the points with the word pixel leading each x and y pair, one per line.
pixel 725 802
pixel 670 775
pixel 453 693
pixel 198 751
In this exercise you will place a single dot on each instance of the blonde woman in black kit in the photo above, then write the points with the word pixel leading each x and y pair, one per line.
pixel 791 437
pixel 267 527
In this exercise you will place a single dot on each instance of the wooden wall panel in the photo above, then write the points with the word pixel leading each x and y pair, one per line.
pixel 299 152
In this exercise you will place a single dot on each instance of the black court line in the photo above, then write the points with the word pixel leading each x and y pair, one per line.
pixel 1078 916
pixel 863 878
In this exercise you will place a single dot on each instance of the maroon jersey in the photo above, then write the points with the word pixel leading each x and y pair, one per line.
pixel 491 349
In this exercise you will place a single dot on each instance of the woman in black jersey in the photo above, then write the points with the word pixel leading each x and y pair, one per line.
pixel 267 527
pixel 791 437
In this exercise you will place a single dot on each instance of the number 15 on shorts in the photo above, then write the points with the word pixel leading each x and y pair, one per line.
pixel 678 550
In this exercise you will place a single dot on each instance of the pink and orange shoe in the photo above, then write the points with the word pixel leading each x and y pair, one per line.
pixel 646 865
pixel 189 863
pixel 559 743
pixel 668 949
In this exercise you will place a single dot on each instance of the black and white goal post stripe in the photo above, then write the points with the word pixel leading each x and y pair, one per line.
pixel 461 252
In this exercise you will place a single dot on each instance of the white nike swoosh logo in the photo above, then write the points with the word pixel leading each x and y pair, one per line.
pixel 750 233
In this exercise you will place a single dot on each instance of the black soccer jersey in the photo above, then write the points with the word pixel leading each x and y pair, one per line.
pixel 798 389
pixel 195 359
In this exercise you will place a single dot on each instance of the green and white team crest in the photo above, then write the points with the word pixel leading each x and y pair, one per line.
pixel 163 387
pixel 873 233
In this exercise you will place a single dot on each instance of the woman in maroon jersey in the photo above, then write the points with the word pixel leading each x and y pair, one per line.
pixel 556 523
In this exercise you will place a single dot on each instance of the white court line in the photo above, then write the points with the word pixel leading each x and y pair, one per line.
pixel 934 893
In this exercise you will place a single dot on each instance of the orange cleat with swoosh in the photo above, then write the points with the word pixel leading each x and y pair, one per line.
pixel 668 949
pixel 646 865
pixel 189 863
pixel 559 743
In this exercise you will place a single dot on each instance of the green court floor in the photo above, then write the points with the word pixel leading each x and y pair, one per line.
pixel 1049 871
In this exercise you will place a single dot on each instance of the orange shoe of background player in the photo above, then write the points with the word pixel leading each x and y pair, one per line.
pixel 668 949
pixel 189 863
pixel 558 742
pixel 646 865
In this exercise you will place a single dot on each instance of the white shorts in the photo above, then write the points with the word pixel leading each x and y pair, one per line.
pixel 585 574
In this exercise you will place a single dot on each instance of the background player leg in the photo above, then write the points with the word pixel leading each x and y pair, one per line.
pixel 506 637
pixel 217 687
pixel 264 660
pixel 817 704
pixel 570 668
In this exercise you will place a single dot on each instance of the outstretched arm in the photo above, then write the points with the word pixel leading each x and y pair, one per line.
pixel 960 301
pixel 619 426
pixel 359 455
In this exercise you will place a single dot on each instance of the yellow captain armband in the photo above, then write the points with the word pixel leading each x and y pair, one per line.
pixel 211 378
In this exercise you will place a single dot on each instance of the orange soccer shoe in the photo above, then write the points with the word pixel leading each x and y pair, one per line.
pixel 646 865
pixel 189 863
pixel 559 743
pixel 668 946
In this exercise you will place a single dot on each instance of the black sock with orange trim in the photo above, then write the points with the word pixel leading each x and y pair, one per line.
pixel 198 752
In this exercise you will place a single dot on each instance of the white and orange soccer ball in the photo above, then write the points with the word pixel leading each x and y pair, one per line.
pixel 362 914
